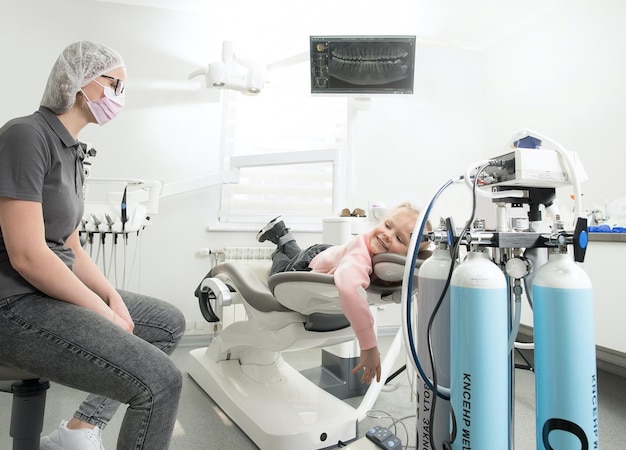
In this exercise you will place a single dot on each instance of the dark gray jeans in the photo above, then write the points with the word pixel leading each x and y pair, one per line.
pixel 76 347
pixel 290 257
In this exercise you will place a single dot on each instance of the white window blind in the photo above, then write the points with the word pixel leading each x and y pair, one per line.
pixel 298 191
pixel 288 147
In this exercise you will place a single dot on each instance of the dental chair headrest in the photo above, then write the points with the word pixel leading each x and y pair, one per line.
pixel 389 267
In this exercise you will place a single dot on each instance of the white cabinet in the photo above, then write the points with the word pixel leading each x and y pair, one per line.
pixel 603 264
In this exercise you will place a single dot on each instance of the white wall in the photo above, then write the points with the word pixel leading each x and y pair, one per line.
pixel 562 76
pixel 172 135
pixel 408 146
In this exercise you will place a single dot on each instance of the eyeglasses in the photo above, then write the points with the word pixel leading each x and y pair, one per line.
pixel 118 87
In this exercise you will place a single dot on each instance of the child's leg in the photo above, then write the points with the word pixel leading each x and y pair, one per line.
pixel 288 254
pixel 284 254
pixel 280 261
pixel 288 246
pixel 301 261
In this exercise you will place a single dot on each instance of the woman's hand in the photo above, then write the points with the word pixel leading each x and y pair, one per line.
pixel 370 361
pixel 120 316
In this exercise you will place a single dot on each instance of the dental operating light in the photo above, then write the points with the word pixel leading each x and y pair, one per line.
pixel 232 73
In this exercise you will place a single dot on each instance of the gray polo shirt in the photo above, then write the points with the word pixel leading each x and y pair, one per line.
pixel 41 162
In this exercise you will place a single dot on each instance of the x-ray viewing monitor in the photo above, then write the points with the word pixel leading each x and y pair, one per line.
pixel 362 64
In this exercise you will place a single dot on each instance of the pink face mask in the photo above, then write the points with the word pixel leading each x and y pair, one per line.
pixel 107 107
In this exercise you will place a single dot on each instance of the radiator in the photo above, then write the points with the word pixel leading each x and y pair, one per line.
pixel 245 254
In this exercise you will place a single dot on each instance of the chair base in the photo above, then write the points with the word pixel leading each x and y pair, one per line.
pixel 335 376
pixel 276 406
pixel 29 403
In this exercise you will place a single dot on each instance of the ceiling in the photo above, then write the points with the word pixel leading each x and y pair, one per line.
pixel 474 24
pixel 478 23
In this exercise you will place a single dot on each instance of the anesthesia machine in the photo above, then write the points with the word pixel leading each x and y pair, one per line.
pixel 468 308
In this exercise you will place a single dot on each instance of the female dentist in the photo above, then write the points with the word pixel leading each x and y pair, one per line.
pixel 60 318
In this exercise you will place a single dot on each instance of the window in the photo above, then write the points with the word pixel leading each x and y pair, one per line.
pixel 300 191
pixel 289 150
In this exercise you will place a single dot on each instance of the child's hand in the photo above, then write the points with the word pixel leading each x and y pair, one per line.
pixel 370 361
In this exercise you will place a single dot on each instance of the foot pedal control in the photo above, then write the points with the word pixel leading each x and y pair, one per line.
pixel 384 438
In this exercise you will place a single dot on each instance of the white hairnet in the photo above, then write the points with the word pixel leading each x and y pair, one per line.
pixel 79 64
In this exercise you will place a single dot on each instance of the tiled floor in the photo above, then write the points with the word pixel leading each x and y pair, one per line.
pixel 202 425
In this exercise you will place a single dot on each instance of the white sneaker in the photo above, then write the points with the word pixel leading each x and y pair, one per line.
pixel 65 439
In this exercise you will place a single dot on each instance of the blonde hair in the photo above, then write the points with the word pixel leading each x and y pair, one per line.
pixel 407 208
pixel 410 209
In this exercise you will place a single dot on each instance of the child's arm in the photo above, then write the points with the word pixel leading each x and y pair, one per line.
pixel 370 361
pixel 352 279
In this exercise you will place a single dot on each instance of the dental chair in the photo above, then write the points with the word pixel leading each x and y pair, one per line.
pixel 243 371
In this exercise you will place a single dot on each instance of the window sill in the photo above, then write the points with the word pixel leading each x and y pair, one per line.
pixel 247 228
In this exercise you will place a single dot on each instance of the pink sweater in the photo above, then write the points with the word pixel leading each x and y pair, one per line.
pixel 351 265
